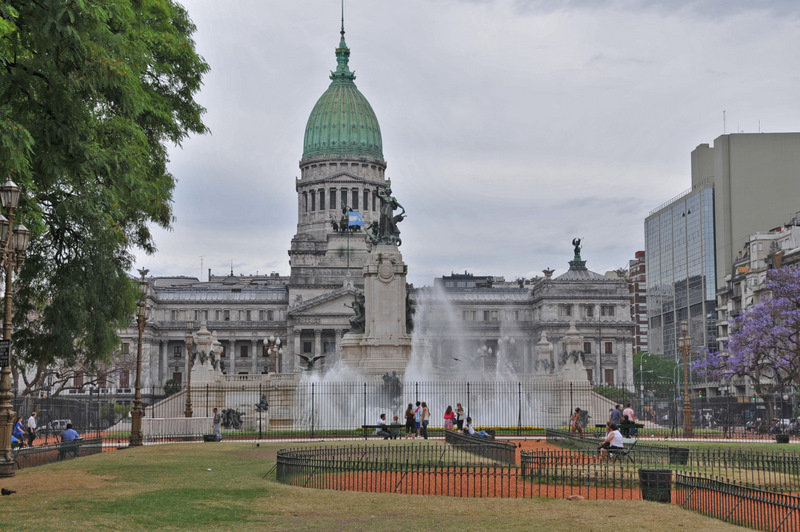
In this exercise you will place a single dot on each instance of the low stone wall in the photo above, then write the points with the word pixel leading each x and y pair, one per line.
pixel 492 449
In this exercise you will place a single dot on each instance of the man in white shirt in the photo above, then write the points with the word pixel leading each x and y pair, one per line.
pixel 31 429
pixel 381 431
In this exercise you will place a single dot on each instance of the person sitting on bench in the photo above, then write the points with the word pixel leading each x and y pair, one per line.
pixel 382 430
pixel 472 432
pixel 613 440
pixel 69 434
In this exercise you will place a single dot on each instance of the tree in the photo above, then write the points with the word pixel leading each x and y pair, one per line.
pixel 764 345
pixel 654 373
pixel 91 94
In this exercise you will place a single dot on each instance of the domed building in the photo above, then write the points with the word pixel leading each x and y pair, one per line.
pixel 274 325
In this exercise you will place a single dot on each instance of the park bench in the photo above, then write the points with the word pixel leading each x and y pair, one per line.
pixel 393 429
pixel 625 452
pixel 72 446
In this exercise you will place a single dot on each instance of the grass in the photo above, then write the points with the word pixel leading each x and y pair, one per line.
pixel 221 487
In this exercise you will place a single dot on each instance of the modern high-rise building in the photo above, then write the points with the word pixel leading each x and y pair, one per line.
pixel 637 285
pixel 745 183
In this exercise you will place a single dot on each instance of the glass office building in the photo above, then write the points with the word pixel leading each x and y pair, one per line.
pixel 681 281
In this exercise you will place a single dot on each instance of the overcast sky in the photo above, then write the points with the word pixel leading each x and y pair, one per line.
pixel 509 127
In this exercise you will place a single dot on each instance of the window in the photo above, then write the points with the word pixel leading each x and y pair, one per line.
pixel 224 351
pixel 244 351
pixel 322 199
pixel 245 315
pixel 589 375
pixel 174 315
pixel 607 310
pixel 226 315
pixel 566 311
pixel 609 348
pixel 270 315
pixel 125 348
pixel 332 203
pixel 177 351
pixel 516 315
pixel 124 378
pixel 77 380
pixel 589 311
pixel 610 377
pixel 354 206
pixel 366 200
pixel 485 315
pixel 101 380
pixel 587 347
pixel 468 315
pixel 328 347
pixel 307 346
pixel 374 199
pixel 177 376
pixel 200 315
pixel 313 200
pixel 305 201
pixel 489 315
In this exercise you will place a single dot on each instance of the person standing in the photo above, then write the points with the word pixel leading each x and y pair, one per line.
pixel 459 416
pixel 425 418
pixel 31 429
pixel 417 418
pixel 217 424
pixel 575 421
pixel 410 419
pixel 616 415
pixel 449 417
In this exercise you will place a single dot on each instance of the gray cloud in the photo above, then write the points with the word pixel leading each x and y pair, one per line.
pixel 509 127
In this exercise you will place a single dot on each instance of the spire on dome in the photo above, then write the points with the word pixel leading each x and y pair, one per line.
pixel 342 71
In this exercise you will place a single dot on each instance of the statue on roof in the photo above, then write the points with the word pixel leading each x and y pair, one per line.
pixel 359 319
pixel 577 243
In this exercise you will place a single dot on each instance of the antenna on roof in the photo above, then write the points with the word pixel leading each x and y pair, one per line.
pixel 201 269
pixel 342 17
pixel 231 267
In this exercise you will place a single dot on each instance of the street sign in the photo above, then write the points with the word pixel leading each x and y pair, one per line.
pixel 5 352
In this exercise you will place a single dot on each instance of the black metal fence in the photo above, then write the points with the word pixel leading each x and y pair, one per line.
pixel 734 503
pixel 312 407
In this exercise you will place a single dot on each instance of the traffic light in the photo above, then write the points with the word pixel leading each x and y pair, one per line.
pixel 700 395
pixel 754 398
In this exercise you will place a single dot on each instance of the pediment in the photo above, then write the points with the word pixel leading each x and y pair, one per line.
pixel 344 177
pixel 331 303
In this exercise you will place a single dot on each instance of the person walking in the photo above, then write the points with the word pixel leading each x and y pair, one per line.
pixel 31 429
pixel 217 424
pixel 575 422
pixel 425 418
pixel 616 415
pixel 459 416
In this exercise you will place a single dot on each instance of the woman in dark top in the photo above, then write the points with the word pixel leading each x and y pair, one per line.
pixel 410 428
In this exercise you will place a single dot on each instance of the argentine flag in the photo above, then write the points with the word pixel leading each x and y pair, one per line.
pixel 355 219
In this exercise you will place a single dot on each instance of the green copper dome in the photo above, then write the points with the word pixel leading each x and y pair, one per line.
pixel 342 121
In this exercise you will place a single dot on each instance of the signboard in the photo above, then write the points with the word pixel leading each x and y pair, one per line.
pixel 5 353
pixel 743 269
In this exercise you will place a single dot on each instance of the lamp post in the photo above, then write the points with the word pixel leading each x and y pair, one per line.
pixel 274 351
pixel 685 344
pixel 13 243
pixel 136 436
pixel 190 355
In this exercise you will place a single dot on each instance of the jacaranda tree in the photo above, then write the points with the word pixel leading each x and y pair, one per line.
pixel 92 93
pixel 764 345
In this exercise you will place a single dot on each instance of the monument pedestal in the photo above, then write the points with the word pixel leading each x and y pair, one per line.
pixel 385 345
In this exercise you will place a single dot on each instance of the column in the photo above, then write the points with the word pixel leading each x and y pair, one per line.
pixel 231 357
pixel 292 357
pixel 338 333
pixel 186 367
pixel 163 370
pixel 254 357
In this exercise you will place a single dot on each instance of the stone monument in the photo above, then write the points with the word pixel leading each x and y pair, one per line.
pixel 378 340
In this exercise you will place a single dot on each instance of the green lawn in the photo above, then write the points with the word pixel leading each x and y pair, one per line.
pixel 222 487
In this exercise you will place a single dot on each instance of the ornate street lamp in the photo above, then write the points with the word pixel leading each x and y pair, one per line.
pixel 136 437
pixel 190 356
pixel 685 344
pixel 13 243
pixel 274 351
